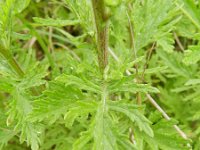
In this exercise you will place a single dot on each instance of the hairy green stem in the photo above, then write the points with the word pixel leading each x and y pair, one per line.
pixel 101 23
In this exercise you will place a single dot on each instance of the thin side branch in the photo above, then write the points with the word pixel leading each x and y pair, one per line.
pixel 30 43
pixel 153 102
pixel 11 60
pixel 178 42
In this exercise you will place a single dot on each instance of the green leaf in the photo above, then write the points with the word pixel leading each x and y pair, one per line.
pixel 20 108
pixel 192 55
pixel 127 84
pixel 191 11
pixel 153 23
pixel 20 5
pixel 6 85
pixel 104 137
pixel 80 108
pixel 84 138
pixel 165 137
pixel 112 2
pixel 193 82
pixel 21 36
pixel 81 83
pixel 167 43
pixel 34 77
pixel 54 102
pixel 82 11
pixel 174 62
pixel 124 142
pixel 30 134
pixel 134 115
pixel 5 136
pixel 155 70
pixel 54 22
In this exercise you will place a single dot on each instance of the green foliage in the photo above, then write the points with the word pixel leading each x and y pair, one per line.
pixel 192 55
pixel 54 22
pixel 54 95
pixel 164 137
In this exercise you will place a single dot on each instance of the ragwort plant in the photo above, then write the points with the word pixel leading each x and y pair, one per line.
pixel 99 74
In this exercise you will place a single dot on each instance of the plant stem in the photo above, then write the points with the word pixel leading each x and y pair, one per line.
pixel 12 62
pixel 178 42
pixel 101 23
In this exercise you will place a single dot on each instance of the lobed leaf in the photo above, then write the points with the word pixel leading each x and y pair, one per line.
pixel 54 22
